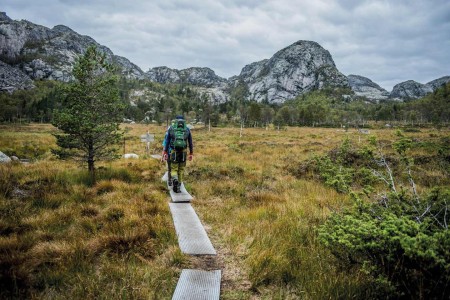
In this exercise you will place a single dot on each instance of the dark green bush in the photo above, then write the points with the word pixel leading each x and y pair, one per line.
pixel 398 236
pixel 406 245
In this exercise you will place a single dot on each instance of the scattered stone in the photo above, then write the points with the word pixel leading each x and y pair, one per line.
pixel 19 193
pixel 363 131
pixel 130 155
pixel 4 158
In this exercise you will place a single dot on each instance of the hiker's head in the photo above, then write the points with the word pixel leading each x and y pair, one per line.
pixel 179 117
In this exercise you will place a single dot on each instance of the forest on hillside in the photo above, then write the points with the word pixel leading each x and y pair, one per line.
pixel 149 102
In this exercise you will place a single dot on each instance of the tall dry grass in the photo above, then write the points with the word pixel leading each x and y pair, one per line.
pixel 60 237
pixel 266 219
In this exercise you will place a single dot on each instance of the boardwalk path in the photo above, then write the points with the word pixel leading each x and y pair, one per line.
pixel 193 240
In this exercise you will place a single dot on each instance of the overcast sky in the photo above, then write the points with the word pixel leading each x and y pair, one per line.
pixel 388 41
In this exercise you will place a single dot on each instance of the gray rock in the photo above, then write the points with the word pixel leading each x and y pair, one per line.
pixel 410 90
pixel 129 70
pixel 299 68
pixel 4 17
pixel 437 83
pixel 163 75
pixel 44 53
pixel 365 87
pixel 204 80
pixel 204 77
pixel 12 79
pixel 130 155
pixel 4 158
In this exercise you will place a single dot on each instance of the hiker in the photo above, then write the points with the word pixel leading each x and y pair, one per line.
pixel 169 176
pixel 176 142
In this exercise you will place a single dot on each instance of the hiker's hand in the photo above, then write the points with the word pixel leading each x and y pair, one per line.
pixel 164 156
pixel 190 157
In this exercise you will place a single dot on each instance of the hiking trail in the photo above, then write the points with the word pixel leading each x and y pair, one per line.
pixel 193 240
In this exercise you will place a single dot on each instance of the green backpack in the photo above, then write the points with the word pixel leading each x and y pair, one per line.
pixel 179 135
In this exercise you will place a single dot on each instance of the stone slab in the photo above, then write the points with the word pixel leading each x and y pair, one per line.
pixel 192 237
pixel 156 156
pixel 198 285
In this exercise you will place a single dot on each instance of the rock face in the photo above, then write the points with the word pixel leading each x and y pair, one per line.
pixel 292 71
pixel 12 79
pixel 163 75
pixel 410 90
pixel 43 53
pixel 204 77
pixel 206 82
pixel 437 83
pixel 365 87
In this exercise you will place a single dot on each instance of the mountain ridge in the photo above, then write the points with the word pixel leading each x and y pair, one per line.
pixel 42 53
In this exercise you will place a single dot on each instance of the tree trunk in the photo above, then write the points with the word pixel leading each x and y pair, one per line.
pixel 91 166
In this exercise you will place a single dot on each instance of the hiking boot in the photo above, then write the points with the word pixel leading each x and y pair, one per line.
pixel 176 186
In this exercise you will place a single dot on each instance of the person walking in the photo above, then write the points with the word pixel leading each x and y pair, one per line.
pixel 169 176
pixel 177 141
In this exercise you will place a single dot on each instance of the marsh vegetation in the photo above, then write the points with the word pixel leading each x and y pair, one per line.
pixel 264 199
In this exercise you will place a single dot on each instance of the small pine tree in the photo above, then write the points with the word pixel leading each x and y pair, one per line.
pixel 91 111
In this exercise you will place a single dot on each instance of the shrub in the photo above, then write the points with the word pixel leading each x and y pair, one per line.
pixel 409 253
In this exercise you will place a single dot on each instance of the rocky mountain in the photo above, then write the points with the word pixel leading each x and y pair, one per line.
pixel 34 52
pixel 407 90
pixel 292 71
pixel 437 83
pixel 365 87
pixel 204 79
pixel 43 53
pixel 410 90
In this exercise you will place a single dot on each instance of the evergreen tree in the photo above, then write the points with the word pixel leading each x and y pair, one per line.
pixel 91 111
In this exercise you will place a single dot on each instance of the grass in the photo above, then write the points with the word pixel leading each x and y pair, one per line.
pixel 62 238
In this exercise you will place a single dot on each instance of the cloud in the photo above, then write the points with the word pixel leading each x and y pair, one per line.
pixel 385 40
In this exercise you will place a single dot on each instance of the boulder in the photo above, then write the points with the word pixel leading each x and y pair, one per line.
pixel 4 158
pixel 130 155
